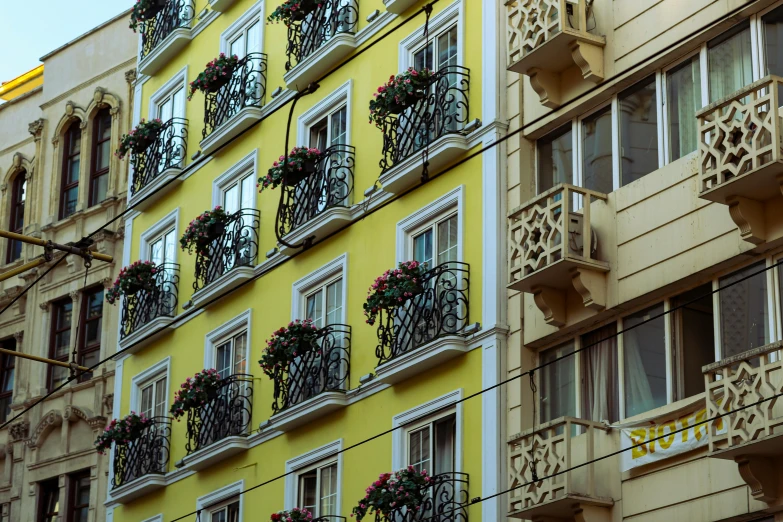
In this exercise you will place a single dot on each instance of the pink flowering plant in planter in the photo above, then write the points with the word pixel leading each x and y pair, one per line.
pixel 203 230
pixel 195 392
pixel 139 138
pixel 144 10
pixel 216 74
pixel 301 163
pixel 122 431
pixel 287 343
pixel 295 515
pixel 139 275
pixel 292 11
pixel 393 288
pixel 399 93
pixel 393 491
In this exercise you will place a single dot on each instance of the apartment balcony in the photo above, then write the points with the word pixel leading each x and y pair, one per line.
pixel 159 164
pixel 555 448
pixel 139 465
pixel 740 158
pixel 236 105
pixel 165 35
pixel 429 328
pixel 221 6
pixel 553 252
pixel 146 313
pixel 230 258
pixel 750 434
pixel 319 204
pixel 435 124
pixel 446 499
pixel 546 37
pixel 315 383
pixel 219 429
pixel 319 41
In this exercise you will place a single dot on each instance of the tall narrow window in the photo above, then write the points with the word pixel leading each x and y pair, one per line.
pixel 231 356
pixel 683 99
pixel 694 339
pixel 557 397
pixel 72 149
pixel 153 398
pixel 773 41
pixel 644 356
pixel 730 62
pixel 638 108
pixel 437 243
pixel 7 369
pixel 48 501
pixel 60 341
pixel 79 501
pixel 324 306
pixel 555 159
pixel 432 447
pixel 240 194
pixel 601 395
pixel 597 151
pixel 225 513
pixel 743 310
pixel 101 156
pixel 331 130
pixel 318 490
pixel 16 223
pixel 92 325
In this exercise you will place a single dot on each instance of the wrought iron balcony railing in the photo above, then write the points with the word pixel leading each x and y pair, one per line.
pixel 168 151
pixel 446 499
pixel 322 370
pixel 329 186
pixel 173 15
pixel 442 110
pixel 227 414
pixel 246 88
pixel 148 304
pixel 149 454
pixel 236 246
pixel 330 18
pixel 440 309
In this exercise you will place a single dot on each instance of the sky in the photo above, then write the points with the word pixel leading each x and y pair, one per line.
pixel 32 28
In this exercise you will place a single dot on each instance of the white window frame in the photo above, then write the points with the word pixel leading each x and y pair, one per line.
pixel 433 410
pixel 306 462
pixel 153 373
pixel 170 220
pixel 701 52
pixel 235 326
pixel 156 518
pixel 325 106
pixel 449 203
pixel 334 269
pixel 246 166
pixel 179 80
pixel 222 497
pixel 453 14
pixel 254 14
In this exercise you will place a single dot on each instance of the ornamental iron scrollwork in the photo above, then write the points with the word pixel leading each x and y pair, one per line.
pixel 146 305
pixel 446 499
pixel 440 309
pixel 226 414
pixel 323 369
pixel 441 110
pixel 168 151
pixel 237 246
pixel 246 88
pixel 330 18
pixel 174 15
pixel 328 187
pixel 147 455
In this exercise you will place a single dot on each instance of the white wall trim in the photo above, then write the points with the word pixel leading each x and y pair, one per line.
pixel 435 406
pixel 169 220
pixel 238 323
pixel 254 14
pixel 305 461
pixel 156 518
pixel 341 95
pixel 248 164
pixel 448 202
pixel 314 279
pixel 180 79
pixel 453 13
pixel 140 379
pixel 221 495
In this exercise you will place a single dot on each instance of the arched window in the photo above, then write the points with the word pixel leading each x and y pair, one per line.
pixel 101 154
pixel 72 151
pixel 16 223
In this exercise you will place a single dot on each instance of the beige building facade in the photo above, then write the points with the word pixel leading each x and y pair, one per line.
pixel 60 181
pixel 645 251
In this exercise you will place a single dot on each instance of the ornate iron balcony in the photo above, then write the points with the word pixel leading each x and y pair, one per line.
pixel 440 309
pixel 227 414
pixel 236 246
pixel 246 88
pixel 148 304
pixel 330 18
pixel 323 370
pixel 149 454
pixel 446 499
pixel 328 187
pixel 169 150
pixel 442 110
pixel 173 15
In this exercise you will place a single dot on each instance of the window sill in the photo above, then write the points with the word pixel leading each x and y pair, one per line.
pixel 165 51
pixel 228 281
pixel 240 121
pixel 161 185
pixel 318 227
pixel 146 334
pixel 220 5
pixel 421 359
pixel 138 488
pixel 320 62
pixel 214 453
pixel 398 6
pixel 407 173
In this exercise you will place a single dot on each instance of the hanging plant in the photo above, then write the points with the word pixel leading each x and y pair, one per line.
pixel 393 288
pixel 302 162
pixel 195 392
pixel 392 492
pixel 139 138
pixel 139 275
pixel 292 11
pixel 217 73
pixel 122 431
pixel 144 10
pixel 399 93
pixel 287 343
pixel 294 515
pixel 203 230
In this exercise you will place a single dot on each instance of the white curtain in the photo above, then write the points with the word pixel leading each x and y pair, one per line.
pixel 599 374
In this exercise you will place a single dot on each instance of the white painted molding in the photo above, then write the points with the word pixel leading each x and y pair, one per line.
pixel 156 230
pixel 342 95
pixel 180 79
pixel 254 14
pixel 221 495
pixel 445 204
pixel 309 459
pixel 233 326
pixel 248 164
pixel 155 371
pixel 303 286
pixel 156 518
pixel 454 13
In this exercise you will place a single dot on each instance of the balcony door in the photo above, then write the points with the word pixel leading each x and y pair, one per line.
pixel 432 447
pixel 227 415
pixel 152 404
pixel 330 187
pixel 236 247
pixel 245 88
pixel 153 398
pixel 162 252
pixel 171 150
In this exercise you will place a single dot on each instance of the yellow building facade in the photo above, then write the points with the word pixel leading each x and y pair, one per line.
pixel 368 399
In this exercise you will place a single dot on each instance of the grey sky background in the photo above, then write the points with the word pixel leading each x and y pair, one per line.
pixel 33 28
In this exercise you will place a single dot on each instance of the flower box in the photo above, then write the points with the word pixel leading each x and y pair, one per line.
pixel 144 10
pixel 393 288
pixel 135 277
pixel 140 138
pixel 301 163
pixel 399 93
pixel 286 344
pixel 215 75
pixel 203 230
pixel 195 392
pixel 392 492
pixel 122 431
pixel 292 11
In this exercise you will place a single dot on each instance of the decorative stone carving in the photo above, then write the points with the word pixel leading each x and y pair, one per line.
pixel 19 431
pixel 44 306
pixel 18 336
pixel 51 420
pixel 36 128
pixel 748 215
pixel 760 474
pixel 97 422
pixel 108 403
pixel 73 413
pixel 130 75
pixel 552 303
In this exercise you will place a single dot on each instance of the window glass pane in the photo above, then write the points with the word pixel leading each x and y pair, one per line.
pixel 694 338
pixel 555 159
pixel 447 240
pixel 557 392
pixel 314 310
pixel 422 248
pixel 231 199
pixel 644 355
pixel 156 251
pixel 308 482
pixel 445 433
pixel 597 151
pixel 240 353
pixel 328 491
pixel 339 127
pixel 683 99
pixel 334 302
pixel 730 66
pixel 638 131
pixel 773 41
pixel 248 192
pixel 600 390
pixel 318 134
pixel 253 40
pixel 146 400
pixel 99 188
pixel 160 398
pixel 423 58
pixel 238 47
pixel 419 449
pixel 447 48
pixel 223 360
pixel 743 311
